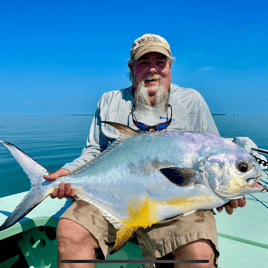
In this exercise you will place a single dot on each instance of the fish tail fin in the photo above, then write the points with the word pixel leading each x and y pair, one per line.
pixel 40 188
pixel 122 237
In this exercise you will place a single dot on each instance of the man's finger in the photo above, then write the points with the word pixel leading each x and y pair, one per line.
pixel 242 202
pixel 54 193
pixel 50 177
pixel 234 203
pixel 229 209
pixel 72 193
pixel 54 176
pixel 61 191
pixel 219 209
pixel 68 187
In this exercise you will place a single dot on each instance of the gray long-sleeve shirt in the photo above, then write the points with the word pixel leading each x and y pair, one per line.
pixel 190 113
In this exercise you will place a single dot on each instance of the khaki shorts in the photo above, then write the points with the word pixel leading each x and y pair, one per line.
pixel 155 241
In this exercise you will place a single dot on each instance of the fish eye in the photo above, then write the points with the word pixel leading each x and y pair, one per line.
pixel 243 167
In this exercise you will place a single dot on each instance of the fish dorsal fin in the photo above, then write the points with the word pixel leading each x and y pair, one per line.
pixel 122 237
pixel 125 132
pixel 182 177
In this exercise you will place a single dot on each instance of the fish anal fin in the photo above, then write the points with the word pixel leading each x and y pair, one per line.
pixel 182 177
pixel 122 237
pixel 125 132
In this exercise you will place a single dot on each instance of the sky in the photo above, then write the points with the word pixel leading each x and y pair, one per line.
pixel 59 57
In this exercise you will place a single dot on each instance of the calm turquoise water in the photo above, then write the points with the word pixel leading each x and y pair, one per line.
pixel 55 140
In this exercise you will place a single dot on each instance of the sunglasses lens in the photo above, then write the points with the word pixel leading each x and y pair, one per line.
pixel 162 126
pixel 141 126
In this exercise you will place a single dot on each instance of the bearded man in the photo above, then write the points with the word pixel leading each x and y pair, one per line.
pixel 152 103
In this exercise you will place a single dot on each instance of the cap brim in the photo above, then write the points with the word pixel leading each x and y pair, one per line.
pixel 149 49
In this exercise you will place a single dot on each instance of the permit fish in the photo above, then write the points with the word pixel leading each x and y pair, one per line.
pixel 145 178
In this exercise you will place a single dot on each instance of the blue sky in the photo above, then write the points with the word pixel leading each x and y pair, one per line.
pixel 59 57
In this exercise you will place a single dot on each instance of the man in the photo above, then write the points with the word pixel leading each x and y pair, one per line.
pixel 151 103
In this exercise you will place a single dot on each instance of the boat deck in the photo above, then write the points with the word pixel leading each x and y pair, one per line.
pixel 242 236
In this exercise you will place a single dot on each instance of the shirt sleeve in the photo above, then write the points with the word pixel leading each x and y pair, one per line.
pixel 95 144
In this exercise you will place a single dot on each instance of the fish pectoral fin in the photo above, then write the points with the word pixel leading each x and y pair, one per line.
pixel 188 213
pixel 122 236
pixel 125 132
pixel 182 177
pixel 235 197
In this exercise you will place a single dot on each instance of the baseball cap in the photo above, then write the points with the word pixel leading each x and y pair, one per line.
pixel 149 43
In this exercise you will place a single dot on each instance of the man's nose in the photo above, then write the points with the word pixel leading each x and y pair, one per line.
pixel 152 67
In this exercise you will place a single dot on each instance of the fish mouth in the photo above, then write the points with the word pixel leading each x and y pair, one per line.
pixel 254 182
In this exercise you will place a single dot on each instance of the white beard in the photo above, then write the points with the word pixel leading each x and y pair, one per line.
pixel 142 102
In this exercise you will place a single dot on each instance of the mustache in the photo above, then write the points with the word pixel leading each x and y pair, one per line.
pixel 152 77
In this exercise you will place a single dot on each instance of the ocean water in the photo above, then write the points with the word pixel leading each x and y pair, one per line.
pixel 55 140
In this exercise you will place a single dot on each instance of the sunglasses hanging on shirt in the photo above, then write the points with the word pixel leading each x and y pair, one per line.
pixel 146 127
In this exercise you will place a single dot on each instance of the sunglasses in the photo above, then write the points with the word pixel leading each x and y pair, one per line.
pixel 145 127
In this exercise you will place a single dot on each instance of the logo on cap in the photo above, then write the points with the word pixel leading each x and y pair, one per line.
pixel 148 39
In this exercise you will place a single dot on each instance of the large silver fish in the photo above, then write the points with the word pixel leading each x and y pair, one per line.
pixel 145 178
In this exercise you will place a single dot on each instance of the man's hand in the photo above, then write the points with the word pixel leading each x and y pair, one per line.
pixel 65 189
pixel 229 207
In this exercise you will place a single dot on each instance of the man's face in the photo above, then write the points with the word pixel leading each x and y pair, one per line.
pixel 154 69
